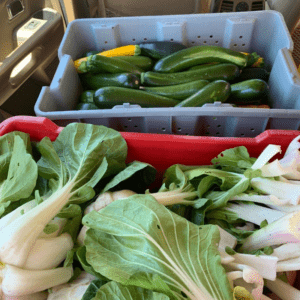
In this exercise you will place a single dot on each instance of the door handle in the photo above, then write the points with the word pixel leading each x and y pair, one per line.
pixel 33 46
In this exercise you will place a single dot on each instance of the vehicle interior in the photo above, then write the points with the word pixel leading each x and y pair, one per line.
pixel 32 31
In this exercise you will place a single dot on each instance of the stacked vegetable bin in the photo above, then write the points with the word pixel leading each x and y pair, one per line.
pixel 263 32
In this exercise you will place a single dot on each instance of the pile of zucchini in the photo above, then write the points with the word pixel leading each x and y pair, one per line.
pixel 168 74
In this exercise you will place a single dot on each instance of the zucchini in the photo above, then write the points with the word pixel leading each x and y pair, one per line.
pixel 143 62
pixel 160 49
pixel 218 90
pixel 200 55
pixel 199 67
pixel 103 64
pixel 226 72
pixel 253 73
pixel 96 81
pixel 87 96
pixel 248 91
pixel 108 97
pixel 86 106
pixel 178 91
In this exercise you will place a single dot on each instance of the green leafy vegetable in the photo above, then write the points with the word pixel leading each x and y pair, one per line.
pixel 19 171
pixel 236 158
pixel 140 236
pixel 136 176
pixel 92 289
pixel 81 256
pixel 263 224
pixel 73 165
pixel 117 291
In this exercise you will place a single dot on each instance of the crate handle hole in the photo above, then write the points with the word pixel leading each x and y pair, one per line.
pixel 243 45
pixel 252 129
pixel 193 42
pixel 204 42
pixel 208 126
pixel 235 45
pixel 135 126
pixel 207 133
pixel 242 134
pixel 219 125
pixel 211 36
pixel 171 40
pixel 214 118
pixel 217 133
pixel 129 119
pixel 145 39
pixel 163 129
pixel 125 127
pixel 105 42
pixel 241 36
pixel 199 36
pixel 217 42
pixel 179 129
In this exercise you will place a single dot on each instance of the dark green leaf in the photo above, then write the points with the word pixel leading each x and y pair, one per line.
pixel 93 288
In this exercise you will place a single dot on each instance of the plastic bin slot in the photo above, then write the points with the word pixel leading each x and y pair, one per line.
pixel 158 124
pixel 172 31
pixel 107 36
pixel 284 123
pixel 199 125
pixel 238 34
pixel 245 126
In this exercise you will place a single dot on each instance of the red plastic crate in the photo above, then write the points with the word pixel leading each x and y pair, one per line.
pixel 162 151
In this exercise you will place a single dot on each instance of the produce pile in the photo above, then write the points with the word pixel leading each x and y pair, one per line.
pixel 78 222
pixel 168 74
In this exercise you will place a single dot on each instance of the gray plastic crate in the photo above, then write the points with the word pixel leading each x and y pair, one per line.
pixel 264 32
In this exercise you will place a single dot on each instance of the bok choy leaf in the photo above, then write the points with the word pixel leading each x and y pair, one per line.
pixel 18 171
pixel 137 241
pixel 73 165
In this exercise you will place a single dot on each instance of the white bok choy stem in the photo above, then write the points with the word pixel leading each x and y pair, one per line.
pixel 35 296
pixel 292 159
pixel 73 290
pixel 17 239
pixel 289 265
pixel 294 181
pixel 232 276
pixel 282 289
pixel 250 276
pixel 49 253
pixel 269 152
pixel 265 265
pixel 287 251
pixel 255 214
pixel 281 190
pixel 20 282
pixel 283 230
pixel 16 213
pixel 263 199
pixel 275 168
pixel 286 208
pixel 226 239
pixel 294 145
